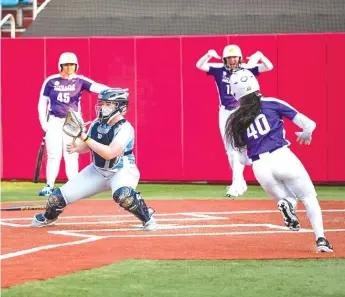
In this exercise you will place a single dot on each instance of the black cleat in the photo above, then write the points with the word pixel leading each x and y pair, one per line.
pixel 323 245
pixel 289 215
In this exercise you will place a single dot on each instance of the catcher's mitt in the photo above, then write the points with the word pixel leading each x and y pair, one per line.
pixel 74 124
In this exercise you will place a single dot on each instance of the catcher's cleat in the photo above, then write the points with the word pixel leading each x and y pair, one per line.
pixel 46 191
pixel 150 225
pixel 289 215
pixel 323 246
pixel 40 221
pixel 237 188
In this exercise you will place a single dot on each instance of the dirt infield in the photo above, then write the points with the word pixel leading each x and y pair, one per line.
pixel 94 233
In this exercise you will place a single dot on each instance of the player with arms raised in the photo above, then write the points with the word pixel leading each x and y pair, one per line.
pixel 232 62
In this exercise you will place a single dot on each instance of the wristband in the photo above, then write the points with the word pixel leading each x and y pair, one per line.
pixel 87 139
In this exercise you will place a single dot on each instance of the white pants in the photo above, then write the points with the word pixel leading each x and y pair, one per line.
pixel 56 142
pixel 233 155
pixel 282 175
pixel 93 180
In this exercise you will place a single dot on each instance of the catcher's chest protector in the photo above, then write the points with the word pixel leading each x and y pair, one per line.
pixel 105 135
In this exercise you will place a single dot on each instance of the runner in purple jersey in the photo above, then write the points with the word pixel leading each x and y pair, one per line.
pixel 257 127
pixel 232 62
pixel 59 92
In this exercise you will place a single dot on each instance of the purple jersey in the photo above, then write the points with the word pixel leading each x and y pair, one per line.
pixel 267 132
pixel 65 93
pixel 222 78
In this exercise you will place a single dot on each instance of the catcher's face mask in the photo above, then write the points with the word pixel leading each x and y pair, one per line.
pixel 106 111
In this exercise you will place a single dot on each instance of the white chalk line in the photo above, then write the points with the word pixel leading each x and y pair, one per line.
pixel 198 216
pixel 152 234
pixel 59 223
pixel 173 227
pixel 88 238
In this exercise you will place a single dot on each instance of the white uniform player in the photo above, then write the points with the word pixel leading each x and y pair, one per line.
pixel 232 62
pixel 110 139
pixel 60 92
pixel 257 126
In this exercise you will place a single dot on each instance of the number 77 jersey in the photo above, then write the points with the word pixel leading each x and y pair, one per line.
pixel 267 132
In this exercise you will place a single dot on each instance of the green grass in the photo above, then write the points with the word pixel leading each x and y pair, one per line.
pixel 27 191
pixel 309 278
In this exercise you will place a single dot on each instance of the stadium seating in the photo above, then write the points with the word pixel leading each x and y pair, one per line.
pixel 22 10
pixel 9 3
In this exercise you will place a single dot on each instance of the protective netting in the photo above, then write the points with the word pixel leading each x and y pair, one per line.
pixel 187 17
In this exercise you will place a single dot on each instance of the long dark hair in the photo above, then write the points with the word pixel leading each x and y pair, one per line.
pixel 238 122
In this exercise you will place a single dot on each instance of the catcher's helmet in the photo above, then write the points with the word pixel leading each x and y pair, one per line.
pixel 118 96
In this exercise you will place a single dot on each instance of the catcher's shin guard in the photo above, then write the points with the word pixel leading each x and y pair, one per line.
pixel 131 201
pixel 55 205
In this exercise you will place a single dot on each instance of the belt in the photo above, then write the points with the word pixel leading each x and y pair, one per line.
pixel 58 116
pixel 257 157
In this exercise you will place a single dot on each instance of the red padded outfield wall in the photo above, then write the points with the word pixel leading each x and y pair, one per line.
pixel 173 105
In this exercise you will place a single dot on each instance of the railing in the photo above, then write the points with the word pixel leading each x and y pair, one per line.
pixel 13 24
pixel 36 10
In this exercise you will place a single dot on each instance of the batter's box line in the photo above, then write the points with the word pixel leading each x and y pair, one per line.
pixel 195 213
pixel 233 233
pixel 258 211
pixel 86 239
pixel 119 222
pixel 175 227
pixel 117 216
pixel 201 215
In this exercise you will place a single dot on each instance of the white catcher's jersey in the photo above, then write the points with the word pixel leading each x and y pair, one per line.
pixel 103 174
pixel 123 133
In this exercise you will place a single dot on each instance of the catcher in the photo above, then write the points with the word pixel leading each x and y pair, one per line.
pixel 110 139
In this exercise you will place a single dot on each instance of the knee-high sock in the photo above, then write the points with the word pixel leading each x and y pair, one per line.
pixel 54 150
pixel 314 214
pixel 71 164
pixel 53 167
pixel 235 164
pixel 71 160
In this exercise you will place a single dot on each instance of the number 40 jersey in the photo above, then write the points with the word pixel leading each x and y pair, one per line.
pixel 267 132
pixel 65 93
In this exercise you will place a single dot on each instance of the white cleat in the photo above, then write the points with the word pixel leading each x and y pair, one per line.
pixel 151 225
pixel 40 221
pixel 236 189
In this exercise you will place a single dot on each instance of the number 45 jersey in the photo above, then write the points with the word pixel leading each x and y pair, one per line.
pixel 267 132
pixel 65 93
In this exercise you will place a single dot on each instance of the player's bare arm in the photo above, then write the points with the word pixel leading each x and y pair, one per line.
pixel 80 148
pixel 254 59
pixel 203 64
pixel 107 152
